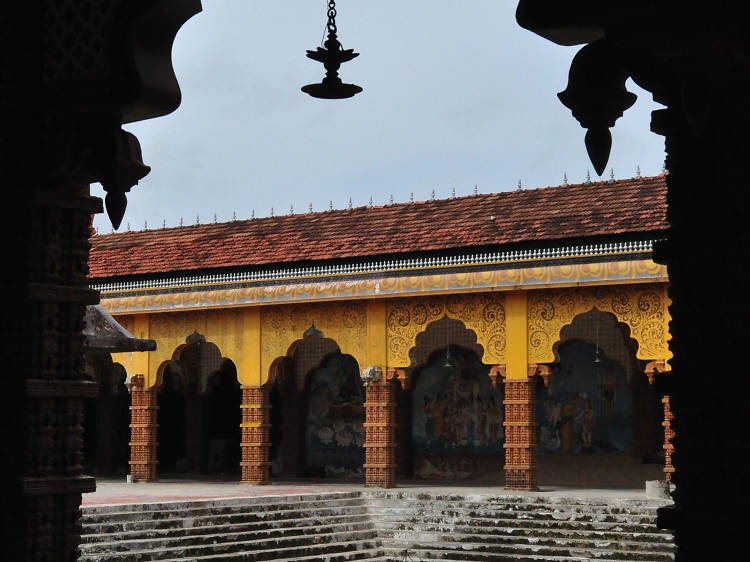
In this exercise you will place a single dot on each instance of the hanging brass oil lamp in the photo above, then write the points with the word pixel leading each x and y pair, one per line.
pixel 331 87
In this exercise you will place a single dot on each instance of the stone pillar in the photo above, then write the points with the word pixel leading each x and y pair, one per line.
pixel 380 428
pixel 256 439
pixel 520 434
pixel 143 430
pixel 668 434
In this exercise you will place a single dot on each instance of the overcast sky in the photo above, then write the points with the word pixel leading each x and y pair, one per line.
pixel 456 94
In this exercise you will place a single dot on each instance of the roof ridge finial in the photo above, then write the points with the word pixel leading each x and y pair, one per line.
pixel 234 216
pixel 588 178
pixel 271 212
pixel 453 192
pixel 432 197
pixel 291 208
pixel 411 197
pixel 611 175
pixel 214 218
pixel 182 222
pixel 476 189
pixel 565 179
pixel 520 186
pixel 128 227
pixel 391 199
pixel 330 204
pixel 252 214
pixel 664 167
pixel 350 203
pixel 310 210
pixel 164 223
pixel 197 219
pixel 638 171
pixel 145 225
pixel 369 203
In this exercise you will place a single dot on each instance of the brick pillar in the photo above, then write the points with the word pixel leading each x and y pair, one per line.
pixel 380 428
pixel 520 435
pixel 256 439
pixel 668 434
pixel 143 430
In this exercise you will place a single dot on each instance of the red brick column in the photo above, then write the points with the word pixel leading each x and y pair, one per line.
pixel 143 428
pixel 668 434
pixel 520 435
pixel 380 435
pixel 256 439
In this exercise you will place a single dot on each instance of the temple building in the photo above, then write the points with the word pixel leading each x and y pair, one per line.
pixel 482 336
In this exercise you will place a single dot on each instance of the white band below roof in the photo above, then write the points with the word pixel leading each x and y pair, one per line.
pixel 639 246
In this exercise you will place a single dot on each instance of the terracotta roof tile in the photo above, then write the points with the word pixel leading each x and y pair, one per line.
pixel 553 213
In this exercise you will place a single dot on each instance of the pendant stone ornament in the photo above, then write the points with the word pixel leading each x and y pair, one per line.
pixel 331 87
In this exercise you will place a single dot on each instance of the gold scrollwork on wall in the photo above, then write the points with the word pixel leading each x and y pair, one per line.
pixel 642 307
pixel 484 313
pixel 344 322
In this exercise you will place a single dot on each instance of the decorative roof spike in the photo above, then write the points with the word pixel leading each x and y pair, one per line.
pixel 252 214
pixel 350 203
pixel 588 178
pixel 432 197
pixel 128 227
pixel 664 167
pixel 611 175
pixel 476 189
pixel 411 197
pixel 197 219
pixel 145 225
pixel 565 179
pixel 453 192
pixel 520 186
pixel 234 216
pixel 391 199
pixel 291 209
pixel 638 171
pixel 369 204
pixel 330 205
pixel 181 221
pixel 214 218
pixel 310 209
pixel 271 211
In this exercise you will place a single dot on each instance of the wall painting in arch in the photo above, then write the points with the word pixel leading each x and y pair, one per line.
pixel 335 414
pixel 457 416
pixel 587 407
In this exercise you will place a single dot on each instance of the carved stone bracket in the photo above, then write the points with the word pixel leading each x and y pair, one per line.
pixel 497 374
pixel 398 375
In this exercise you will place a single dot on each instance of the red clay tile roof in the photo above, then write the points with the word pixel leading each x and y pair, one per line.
pixel 554 213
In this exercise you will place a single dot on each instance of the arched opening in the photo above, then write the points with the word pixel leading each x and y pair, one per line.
pixel 317 411
pixel 223 416
pixel 455 413
pixel 590 410
pixel 172 433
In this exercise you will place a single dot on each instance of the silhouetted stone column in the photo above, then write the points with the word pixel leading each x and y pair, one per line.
pixel 668 434
pixel 520 434
pixel 143 430
pixel 256 440
pixel 380 428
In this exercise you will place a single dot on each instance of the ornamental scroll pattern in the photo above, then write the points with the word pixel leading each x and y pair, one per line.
pixel 484 313
pixel 344 322
pixel 642 307
pixel 224 328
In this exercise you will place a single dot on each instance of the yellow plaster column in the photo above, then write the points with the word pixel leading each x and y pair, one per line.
pixel 248 365
pixel 376 352
pixel 516 335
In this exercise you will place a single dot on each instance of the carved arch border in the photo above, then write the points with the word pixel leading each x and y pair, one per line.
pixel 643 308
pixel 282 326
pixel 483 313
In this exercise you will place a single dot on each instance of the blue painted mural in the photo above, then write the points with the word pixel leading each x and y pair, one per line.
pixel 334 431
pixel 455 408
pixel 587 407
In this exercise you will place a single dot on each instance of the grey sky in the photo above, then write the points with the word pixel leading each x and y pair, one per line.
pixel 455 94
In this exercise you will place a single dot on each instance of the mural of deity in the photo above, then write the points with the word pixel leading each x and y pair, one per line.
pixel 334 430
pixel 455 408
pixel 587 407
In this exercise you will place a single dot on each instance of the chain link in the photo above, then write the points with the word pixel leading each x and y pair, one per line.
pixel 332 16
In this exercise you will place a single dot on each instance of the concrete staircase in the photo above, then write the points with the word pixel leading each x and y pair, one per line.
pixel 383 525
pixel 425 527
pixel 328 527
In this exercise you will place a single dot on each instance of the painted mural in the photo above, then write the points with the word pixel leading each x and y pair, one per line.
pixel 456 412
pixel 334 432
pixel 587 407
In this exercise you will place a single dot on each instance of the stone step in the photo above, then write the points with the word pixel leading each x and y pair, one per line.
pixel 245 551
pixel 277 518
pixel 198 527
pixel 390 522
pixel 367 555
pixel 481 552
pixel 417 537
pixel 293 535
pixel 191 509
pixel 511 530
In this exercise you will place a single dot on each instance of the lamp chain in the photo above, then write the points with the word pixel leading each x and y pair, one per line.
pixel 332 16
